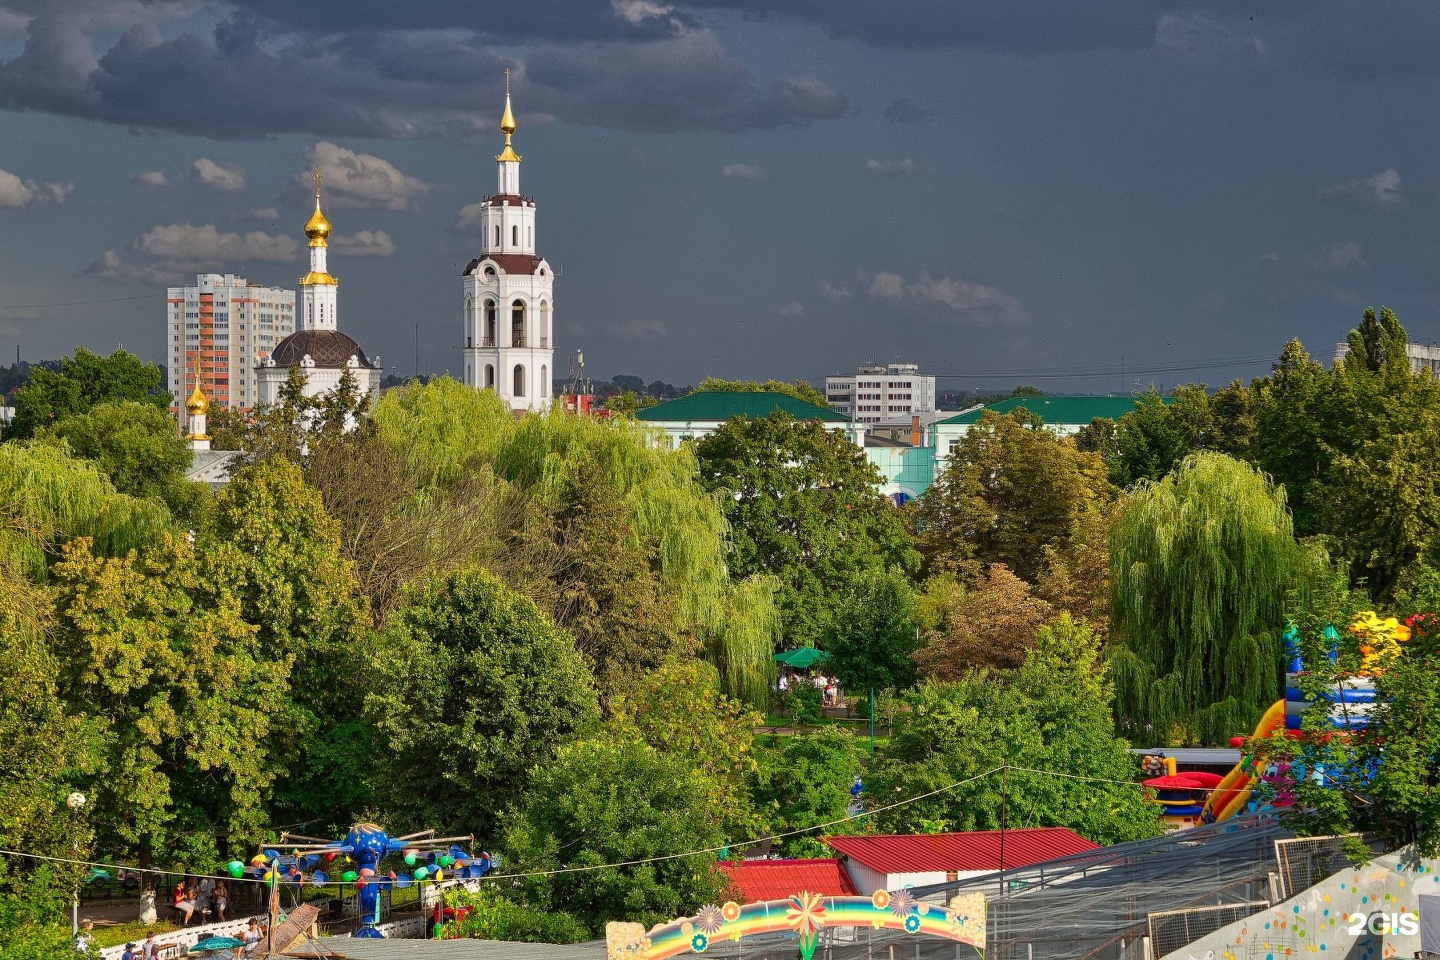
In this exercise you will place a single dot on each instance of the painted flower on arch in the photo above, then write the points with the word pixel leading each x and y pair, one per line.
pixel 709 920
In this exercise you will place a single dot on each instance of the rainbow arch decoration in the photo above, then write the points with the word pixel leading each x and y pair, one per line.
pixel 804 915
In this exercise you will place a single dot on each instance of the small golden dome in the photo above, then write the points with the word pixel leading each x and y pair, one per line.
pixel 197 404
pixel 317 228
pixel 507 119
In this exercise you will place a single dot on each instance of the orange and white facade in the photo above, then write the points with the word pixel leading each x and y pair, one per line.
pixel 219 326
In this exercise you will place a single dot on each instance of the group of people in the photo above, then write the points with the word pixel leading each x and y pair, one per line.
pixel 205 896
pixel 829 687
pixel 252 936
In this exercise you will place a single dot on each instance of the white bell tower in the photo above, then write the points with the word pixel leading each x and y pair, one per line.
pixel 509 293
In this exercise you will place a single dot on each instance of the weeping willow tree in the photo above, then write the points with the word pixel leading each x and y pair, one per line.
pixel 1200 563
pixel 48 498
pixel 447 431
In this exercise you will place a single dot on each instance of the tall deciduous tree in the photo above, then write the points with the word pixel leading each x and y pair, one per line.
pixel 83 381
pixel 874 634
pixel 186 694
pixel 803 506
pixel 993 627
pixel 1010 490
pixel 804 781
pixel 798 389
pixel 474 690
pixel 1200 564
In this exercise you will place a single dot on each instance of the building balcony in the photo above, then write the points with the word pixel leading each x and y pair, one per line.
pixel 487 341
pixel 517 341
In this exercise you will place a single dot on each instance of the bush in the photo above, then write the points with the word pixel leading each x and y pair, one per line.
pixel 804 702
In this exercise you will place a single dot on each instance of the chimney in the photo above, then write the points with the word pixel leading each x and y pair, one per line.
pixel 915 430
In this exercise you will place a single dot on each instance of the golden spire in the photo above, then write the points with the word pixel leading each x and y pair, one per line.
pixel 507 125
pixel 197 404
pixel 317 228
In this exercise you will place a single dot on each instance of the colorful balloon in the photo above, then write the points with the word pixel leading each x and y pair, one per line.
pixel 235 868
pixel 349 876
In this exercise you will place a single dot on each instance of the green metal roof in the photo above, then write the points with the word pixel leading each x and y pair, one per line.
pixel 724 404
pixel 1055 410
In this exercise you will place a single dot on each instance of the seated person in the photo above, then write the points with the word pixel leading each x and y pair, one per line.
pixel 182 902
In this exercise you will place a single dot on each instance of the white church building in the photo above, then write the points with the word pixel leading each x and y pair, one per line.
pixel 317 346
pixel 509 293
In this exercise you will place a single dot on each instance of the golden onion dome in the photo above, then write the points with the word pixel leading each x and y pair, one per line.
pixel 507 126
pixel 317 228
pixel 197 404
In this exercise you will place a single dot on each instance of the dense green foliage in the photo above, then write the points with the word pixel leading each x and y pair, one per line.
pixel 803 507
pixel 84 380
pixel 553 632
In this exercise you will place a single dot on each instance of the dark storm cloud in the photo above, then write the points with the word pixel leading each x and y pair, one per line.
pixel 252 77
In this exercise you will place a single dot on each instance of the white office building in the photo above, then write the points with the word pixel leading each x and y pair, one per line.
pixel 219 326
pixel 879 393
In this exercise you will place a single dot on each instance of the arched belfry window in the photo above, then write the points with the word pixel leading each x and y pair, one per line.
pixel 489 376
pixel 544 332
pixel 519 380
pixel 517 323
pixel 544 380
pixel 497 234
pixel 490 312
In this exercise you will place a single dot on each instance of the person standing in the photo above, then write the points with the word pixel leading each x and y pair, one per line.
pixel 220 898
pixel 85 939
pixel 203 891
pixel 147 950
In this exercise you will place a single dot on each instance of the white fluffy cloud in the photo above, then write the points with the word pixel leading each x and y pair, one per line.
pixel 1195 36
pixel 361 180
pixel 966 301
pixel 186 243
pixel 219 176
pixel 469 216
pixel 743 171
pixel 891 168
pixel 17 194
pixel 833 292
pixel 150 178
pixel 364 243
pixel 265 213
pixel 1382 188
pixel 792 309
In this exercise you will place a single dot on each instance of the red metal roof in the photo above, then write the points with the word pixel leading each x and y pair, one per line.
pixel 777 879
pixel 523 263
pixel 959 852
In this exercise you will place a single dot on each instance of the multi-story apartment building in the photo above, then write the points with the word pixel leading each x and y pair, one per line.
pixel 220 325
pixel 877 393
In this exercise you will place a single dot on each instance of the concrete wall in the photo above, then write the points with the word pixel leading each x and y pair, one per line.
pixel 1320 923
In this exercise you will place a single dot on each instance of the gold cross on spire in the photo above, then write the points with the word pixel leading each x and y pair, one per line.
pixel 317 183
pixel 507 81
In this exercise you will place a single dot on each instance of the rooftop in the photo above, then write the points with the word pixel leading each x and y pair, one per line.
pixel 1053 410
pixel 724 404
pixel 759 880
pixel 960 852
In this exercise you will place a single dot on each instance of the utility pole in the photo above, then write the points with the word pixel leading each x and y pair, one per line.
pixel 1004 799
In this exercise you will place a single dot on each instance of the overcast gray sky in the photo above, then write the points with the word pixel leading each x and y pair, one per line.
pixel 1001 190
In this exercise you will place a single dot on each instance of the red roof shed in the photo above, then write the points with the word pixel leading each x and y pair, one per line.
pixel 776 879
pixel 978 851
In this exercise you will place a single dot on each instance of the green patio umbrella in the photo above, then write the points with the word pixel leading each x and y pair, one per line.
pixel 216 943
pixel 803 658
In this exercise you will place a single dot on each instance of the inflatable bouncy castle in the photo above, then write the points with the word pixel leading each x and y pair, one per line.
pixel 1350 702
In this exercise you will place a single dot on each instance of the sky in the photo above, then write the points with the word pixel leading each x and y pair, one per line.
pixel 1089 196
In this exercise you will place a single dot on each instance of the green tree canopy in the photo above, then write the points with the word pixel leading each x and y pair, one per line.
pixel 874 634
pixel 134 444
pixel 83 381
pixel 1053 714
pixel 1010 490
pixel 798 389
pixel 474 689
pixel 804 781
pixel 803 506
pixel 1200 564
pixel 602 801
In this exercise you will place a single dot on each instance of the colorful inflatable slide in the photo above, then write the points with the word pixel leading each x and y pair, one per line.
pixel 1350 703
